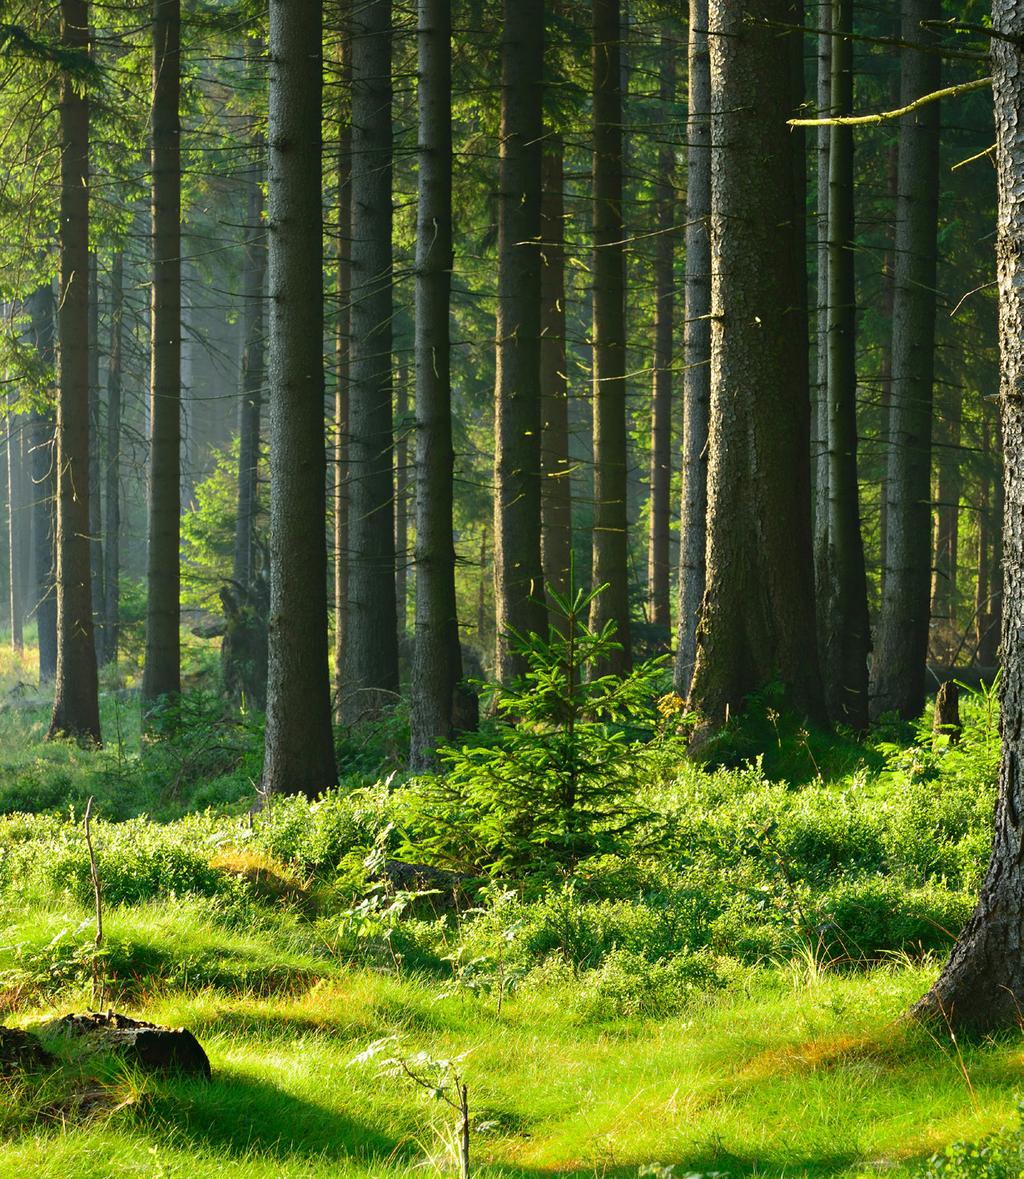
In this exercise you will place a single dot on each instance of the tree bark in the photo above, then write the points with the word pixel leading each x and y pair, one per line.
pixel 900 663
pixel 14 505
pixel 95 460
pixel 403 484
pixel 991 632
pixel 696 348
pixel 437 656
pixel 556 481
pixel 76 695
pixel 758 623
pixel 610 565
pixel 819 442
pixel 518 577
pixel 847 635
pixel 299 748
pixel 44 490
pixel 658 570
pixel 112 498
pixel 162 672
pixel 253 375
pixel 945 638
pixel 372 645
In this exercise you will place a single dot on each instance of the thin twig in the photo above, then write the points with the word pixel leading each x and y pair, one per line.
pixel 97 983
pixel 886 116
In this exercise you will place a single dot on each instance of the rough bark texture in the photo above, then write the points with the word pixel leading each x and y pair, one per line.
pixel 696 348
pixel 403 485
pixel 162 672
pixel 253 375
pixel 44 486
pixel 982 984
pixel 299 753
pixel 556 485
pixel 819 420
pixel 945 636
pixel 990 538
pixel 14 581
pixel 610 566
pixel 437 658
pixel 758 621
pixel 658 571
pixel 846 629
pixel 76 700
pixel 112 497
pixel 95 464
pixel 902 649
pixel 518 579
pixel 371 650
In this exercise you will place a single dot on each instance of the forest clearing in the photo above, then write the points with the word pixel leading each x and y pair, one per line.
pixel 511 615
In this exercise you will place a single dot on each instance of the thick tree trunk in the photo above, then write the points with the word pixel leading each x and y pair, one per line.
pixel 14 506
pixel 403 484
pixel 556 485
pixel 902 649
pixel 342 359
pixel 437 657
pixel 112 498
pixel 95 461
pixel 696 348
pixel 76 697
pixel 44 492
pixel 611 541
pixel 518 578
pixel 990 632
pixel 299 750
pixel 847 637
pixel 819 422
pixel 945 635
pixel 251 402
pixel 758 621
pixel 371 649
pixel 161 675
pixel 982 984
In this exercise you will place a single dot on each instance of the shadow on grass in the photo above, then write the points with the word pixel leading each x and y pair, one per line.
pixel 240 1115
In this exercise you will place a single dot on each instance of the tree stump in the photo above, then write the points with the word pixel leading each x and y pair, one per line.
pixel 151 1047
pixel 21 1052
pixel 947 712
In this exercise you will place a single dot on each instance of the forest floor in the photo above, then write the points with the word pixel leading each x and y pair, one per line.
pixel 781 1060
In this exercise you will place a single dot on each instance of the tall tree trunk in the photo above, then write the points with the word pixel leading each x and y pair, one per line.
pixel 14 505
pixel 76 695
pixel 982 984
pixel 696 347
pixel 112 498
pixel 848 641
pixel 250 405
pixel 342 359
pixel 611 541
pixel 161 675
pixel 402 487
pixel 371 649
pixel 900 663
pixel 991 632
pixel 437 656
pixel 945 636
pixel 556 477
pixel 95 460
pixel 758 622
pixel 299 749
pixel 658 572
pixel 518 577
pixel 819 422
pixel 44 489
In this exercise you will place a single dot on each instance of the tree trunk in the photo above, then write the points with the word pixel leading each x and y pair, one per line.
pixel 76 696
pixel 250 405
pixel 518 577
pixel 437 657
pixel 299 748
pixel 847 636
pixel 945 635
pixel 611 541
pixel 758 622
pixel 371 657
pixel 900 663
pixel 819 422
pixel 162 672
pixel 342 360
pixel 402 486
pixel 990 633
pixel 982 984
pixel 111 504
pixel 14 505
pixel 658 572
pixel 696 348
pixel 556 477
pixel 44 491
pixel 95 461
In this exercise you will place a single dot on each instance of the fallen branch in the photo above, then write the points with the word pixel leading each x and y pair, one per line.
pixel 886 116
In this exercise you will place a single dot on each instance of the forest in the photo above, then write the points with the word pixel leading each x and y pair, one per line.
pixel 511 589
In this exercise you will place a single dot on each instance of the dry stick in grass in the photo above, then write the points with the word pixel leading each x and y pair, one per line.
pixel 97 984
